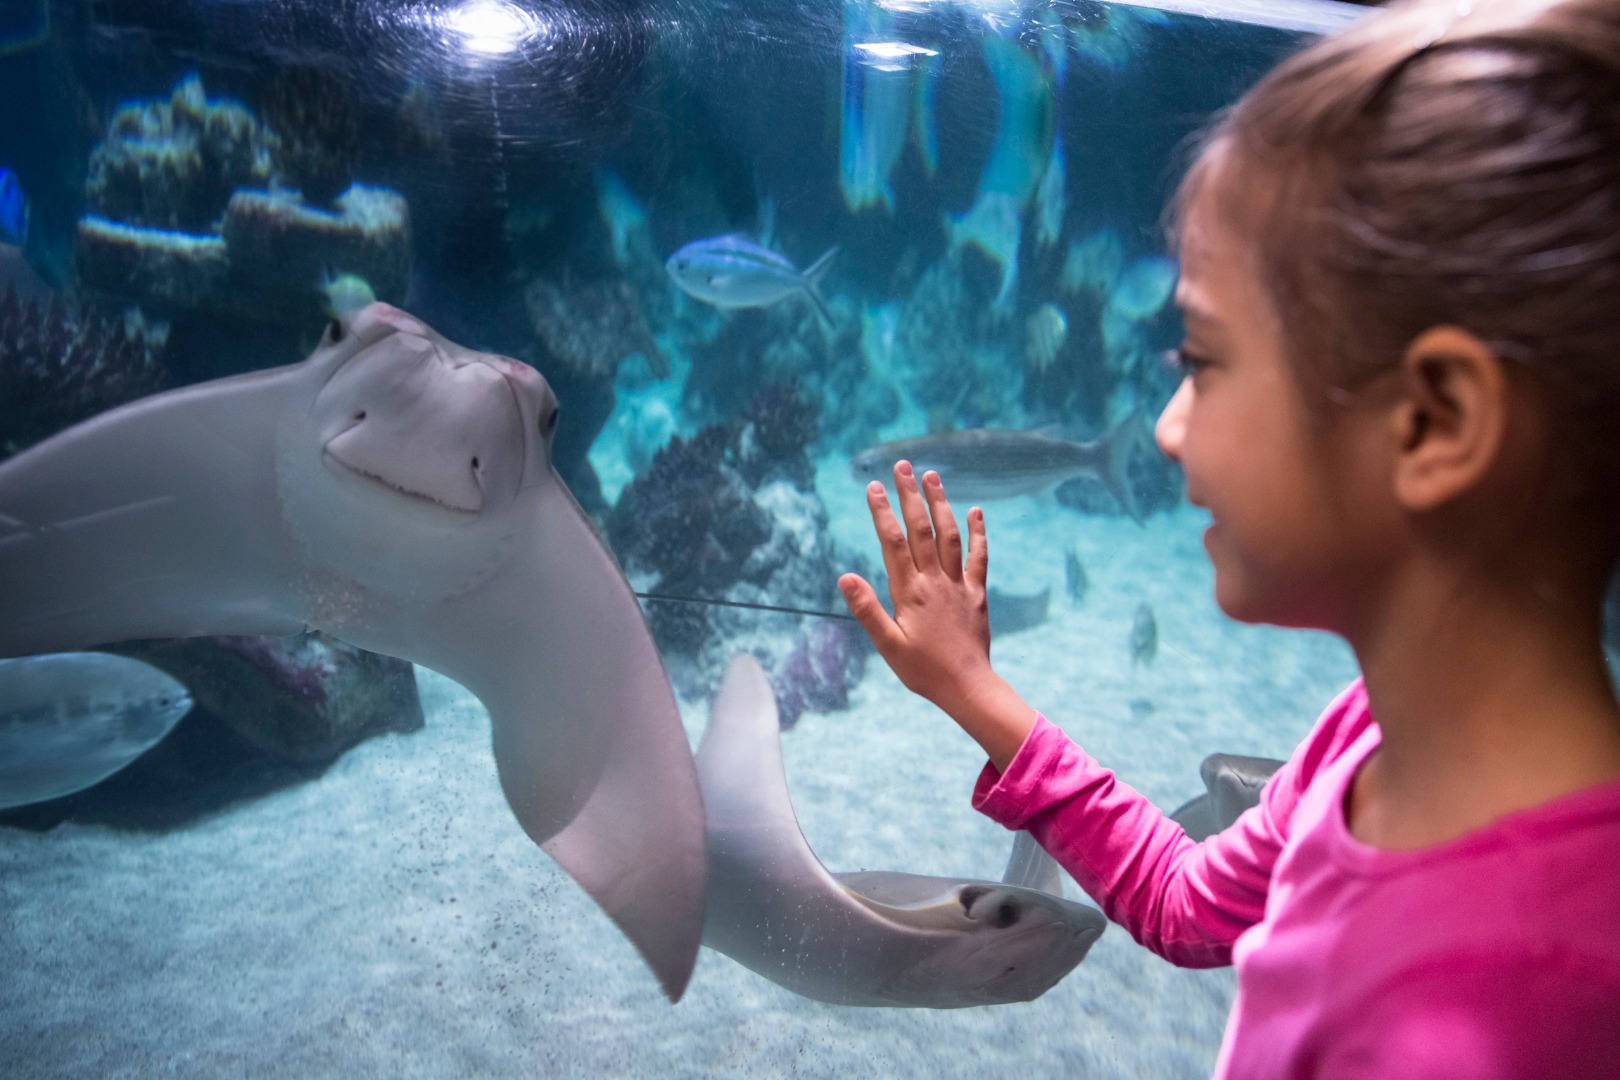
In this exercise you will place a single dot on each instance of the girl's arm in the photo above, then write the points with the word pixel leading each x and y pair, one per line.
pixel 1186 901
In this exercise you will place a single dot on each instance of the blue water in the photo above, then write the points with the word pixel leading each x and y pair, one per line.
pixel 993 179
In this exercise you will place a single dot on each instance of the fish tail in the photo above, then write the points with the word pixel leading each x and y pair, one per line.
pixel 812 282
pixel 1118 449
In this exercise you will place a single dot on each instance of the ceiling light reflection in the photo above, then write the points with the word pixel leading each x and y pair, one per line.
pixel 490 27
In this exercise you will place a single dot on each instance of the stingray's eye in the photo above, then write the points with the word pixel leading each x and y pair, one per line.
pixel 968 896
pixel 548 422
pixel 1006 914
pixel 334 332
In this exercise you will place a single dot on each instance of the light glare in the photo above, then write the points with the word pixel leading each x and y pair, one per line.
pixel 490 27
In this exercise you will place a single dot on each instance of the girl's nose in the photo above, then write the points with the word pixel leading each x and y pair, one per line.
pixel 1171 430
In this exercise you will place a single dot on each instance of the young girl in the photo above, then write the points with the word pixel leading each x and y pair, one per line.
pixel 1400 265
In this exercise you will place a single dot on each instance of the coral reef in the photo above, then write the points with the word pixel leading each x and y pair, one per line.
pixel 953 354
pixel 583 332
pixel 271 255
pixel 824 663
pixel 58 368
pixel 315 113
pixel 270 712
pixel 174 164
pixel 731 514
pixel 302 700
pixel 189 216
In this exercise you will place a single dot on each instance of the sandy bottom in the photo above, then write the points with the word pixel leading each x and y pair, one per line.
pixel 391 920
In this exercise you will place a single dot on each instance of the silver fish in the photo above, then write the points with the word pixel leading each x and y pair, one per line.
pixel 70 720
pixel 733 271
pixel 1144 635
pixel 986 464
pixel 1074 576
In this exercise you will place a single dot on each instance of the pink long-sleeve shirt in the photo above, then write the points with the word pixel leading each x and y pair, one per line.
pixel 1494 955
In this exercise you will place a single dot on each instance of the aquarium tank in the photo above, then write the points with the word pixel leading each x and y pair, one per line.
pixel 741 254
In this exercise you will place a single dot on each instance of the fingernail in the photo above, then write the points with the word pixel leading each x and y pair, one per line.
pixel 905 469
pixel 875 489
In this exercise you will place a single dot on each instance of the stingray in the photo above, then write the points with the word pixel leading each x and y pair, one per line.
pixel 1232 785
pixel 70 720
pixel 394 490
pixel 877 937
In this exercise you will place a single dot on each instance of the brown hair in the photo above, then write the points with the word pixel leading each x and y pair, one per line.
pixel 1443 163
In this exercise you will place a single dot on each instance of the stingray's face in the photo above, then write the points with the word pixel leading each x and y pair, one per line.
pixel 415 453
pixel 1007 944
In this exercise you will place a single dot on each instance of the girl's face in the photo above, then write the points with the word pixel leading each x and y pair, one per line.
pixel 1295 528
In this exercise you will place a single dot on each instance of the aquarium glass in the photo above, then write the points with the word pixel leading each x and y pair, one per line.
pixel 747 243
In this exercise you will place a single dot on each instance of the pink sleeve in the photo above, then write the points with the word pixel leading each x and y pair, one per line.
pixel 1505 1017
pixel 1187 901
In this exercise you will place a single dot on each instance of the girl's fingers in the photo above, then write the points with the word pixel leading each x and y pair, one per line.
pixel 891 537
pixel 863 604
pixel 978 554
pixel 919 529
pixel 949 538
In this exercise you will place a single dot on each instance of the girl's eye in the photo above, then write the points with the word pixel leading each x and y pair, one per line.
pixel 1184 362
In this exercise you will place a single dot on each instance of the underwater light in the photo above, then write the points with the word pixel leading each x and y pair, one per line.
pixel 491 27
pixel 892 55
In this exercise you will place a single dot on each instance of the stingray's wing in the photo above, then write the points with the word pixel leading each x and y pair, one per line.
pixel 739 761
pixel 1233 784
pixel 587 738
pixel 1197 817
pixel 1030 866
pixel 155 519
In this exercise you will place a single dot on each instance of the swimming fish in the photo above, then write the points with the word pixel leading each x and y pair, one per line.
pixel 1074 576
pixel 732 272
pixel 1232 784
pixel 986 464
pixel 1044 334
pixel 1143 288
pixel 13 209
pixel 70 720
pixel 877 937
pixel 396 491
pixel 1010 613
pixel 345 293
pixel 1144 635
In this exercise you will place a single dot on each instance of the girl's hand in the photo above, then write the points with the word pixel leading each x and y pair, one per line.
pixel 938 640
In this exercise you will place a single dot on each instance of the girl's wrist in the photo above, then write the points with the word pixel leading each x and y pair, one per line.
pixel 993 713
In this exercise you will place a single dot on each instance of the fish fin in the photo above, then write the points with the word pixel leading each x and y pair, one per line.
pixel 1119 448
pixel 1196 817
pixel 812 285
pixel 1031 867
pixel 767 220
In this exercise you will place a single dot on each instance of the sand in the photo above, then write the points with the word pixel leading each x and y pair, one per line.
pixel 390 919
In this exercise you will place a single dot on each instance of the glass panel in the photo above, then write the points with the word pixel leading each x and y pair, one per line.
pixel 747 245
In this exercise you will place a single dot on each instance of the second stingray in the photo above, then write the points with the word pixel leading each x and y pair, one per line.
pixel 871 938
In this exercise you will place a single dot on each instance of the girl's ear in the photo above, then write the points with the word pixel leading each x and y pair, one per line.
pixel 1450 419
